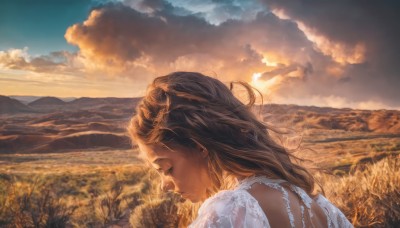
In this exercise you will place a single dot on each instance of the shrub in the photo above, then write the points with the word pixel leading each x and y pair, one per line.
pixel 110 207
pixel 161 212
pixel 33 205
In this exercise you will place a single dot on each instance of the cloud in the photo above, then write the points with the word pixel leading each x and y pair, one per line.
pixel 361 36
pixel 20 59
pixel 160 43
pixel 340 52
pixel 118 38
pixel 334 52
pixel 212 11
pixel 294 51
pixel 14 58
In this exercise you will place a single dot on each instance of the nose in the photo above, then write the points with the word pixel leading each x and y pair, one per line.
pixel 166 185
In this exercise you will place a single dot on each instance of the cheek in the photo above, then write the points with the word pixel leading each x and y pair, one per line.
pixel 184 174
pixel 190 176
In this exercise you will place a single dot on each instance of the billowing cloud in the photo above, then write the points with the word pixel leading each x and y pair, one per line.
pixel 294 50
pixel 126 40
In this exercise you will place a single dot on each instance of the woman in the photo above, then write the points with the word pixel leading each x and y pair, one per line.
pixel 208 146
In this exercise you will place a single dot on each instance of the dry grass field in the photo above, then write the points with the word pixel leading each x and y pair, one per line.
pixel 370 195
pixel 75 168
pixel 113 188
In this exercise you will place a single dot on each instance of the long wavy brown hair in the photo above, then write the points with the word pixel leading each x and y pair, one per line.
pixel 191 109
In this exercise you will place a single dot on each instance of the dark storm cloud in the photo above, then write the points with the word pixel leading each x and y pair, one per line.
pixel 373 23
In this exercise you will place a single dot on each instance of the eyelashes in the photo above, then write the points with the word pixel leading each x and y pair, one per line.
pixel 167 172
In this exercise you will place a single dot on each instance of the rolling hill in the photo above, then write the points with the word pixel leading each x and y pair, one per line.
pixel 12 106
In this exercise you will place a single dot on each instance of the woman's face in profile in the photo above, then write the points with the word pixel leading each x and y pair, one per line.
pixel 182 170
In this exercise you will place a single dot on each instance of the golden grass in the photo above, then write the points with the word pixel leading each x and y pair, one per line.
pixel 159 212
pixel 97 198
pixel 159 209
pixel 105 190
pixel 370 195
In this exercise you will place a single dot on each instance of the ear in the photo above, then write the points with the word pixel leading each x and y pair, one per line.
pixel 202 149
pixel 204 152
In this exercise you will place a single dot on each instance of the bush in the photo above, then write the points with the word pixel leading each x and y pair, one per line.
pixel 162 212
pixel 111 206
pixel 33 206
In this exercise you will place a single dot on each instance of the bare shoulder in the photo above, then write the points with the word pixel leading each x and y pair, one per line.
pixel 283 207
pixel 272 203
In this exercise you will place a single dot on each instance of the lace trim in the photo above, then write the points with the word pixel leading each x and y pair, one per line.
pixel 285 198
pixel 237 200
pixel 257 208
pixel 304 197
pixel 335 218
pixel 302 216
pixel 326 211
pixel 249 181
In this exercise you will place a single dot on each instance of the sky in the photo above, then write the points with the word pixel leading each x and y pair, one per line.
pixel 308 52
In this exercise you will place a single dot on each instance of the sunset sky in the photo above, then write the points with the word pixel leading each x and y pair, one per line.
pixel 335 53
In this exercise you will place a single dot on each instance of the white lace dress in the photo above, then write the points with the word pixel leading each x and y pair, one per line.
pixel 238 208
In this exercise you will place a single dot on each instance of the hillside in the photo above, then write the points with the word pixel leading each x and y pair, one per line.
pixel 304 117
pixel 12 106
pixel 47 101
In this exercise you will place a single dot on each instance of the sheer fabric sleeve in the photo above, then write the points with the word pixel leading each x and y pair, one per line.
pixel 230 208
pixel 336 218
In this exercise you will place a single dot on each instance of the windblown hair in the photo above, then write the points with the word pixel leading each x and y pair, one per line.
pixel 191 109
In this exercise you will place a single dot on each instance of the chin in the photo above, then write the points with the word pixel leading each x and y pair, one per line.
pixel 192 199
pixel 185 197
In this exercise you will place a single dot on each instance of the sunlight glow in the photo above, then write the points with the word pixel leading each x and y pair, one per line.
pixel 265 86
pixel 256 76
pixel 269 62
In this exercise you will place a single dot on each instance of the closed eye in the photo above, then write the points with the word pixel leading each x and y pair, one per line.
pixel 167 172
